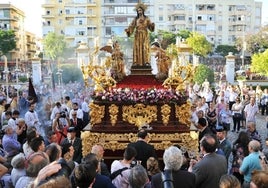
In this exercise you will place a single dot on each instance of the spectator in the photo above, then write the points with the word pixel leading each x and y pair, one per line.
pixel 30 134
pixel 85 175
pixel 76 109
pixel 209 170
pixel 99 151
pixel 122 179
pixel 237 114
pixel 138 177
pixel 75 142
pixel 76 122
pixel 143 148
pixel 18 170
pixel 173 159
pixel 53 151
pixel 85 110
pixel 57 109
pixel 250 162
pixel 10 143
pixel 21 131
pixel 60 125
pixel 240 151
pixel 152 167
pixel 259 179
pixel 55 174
pixel 100 180
pixel 252 132
pixel 251 110
pixel 229 181
pixel 225 144
pixel 37 144
pixel 34 164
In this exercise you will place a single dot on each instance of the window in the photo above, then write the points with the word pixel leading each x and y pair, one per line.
pixel 48 12
pixel 179 17
pixel 48 23
pixel 67 11
pixel 161 18
pixel 108 31
pixel 60 1
pixel 80 22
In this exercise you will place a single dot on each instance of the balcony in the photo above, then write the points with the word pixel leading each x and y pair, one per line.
pixel 48 5
pixel 46 16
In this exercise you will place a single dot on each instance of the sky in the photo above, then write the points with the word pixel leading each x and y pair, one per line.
pixel 33 12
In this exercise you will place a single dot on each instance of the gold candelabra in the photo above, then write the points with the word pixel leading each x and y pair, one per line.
pixel 181 71
pixel 98 72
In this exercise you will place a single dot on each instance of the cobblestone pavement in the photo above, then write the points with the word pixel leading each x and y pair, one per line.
pixel 260 125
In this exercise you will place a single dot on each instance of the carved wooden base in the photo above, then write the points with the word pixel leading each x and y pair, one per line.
pixel 119 141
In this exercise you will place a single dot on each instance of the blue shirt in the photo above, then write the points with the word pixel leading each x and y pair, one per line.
pixel 250 163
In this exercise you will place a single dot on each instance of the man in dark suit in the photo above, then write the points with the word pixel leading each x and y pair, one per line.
pixel 211 167
pixel 77 123
pixel 76 143
pixel 173 160
pixel 144 150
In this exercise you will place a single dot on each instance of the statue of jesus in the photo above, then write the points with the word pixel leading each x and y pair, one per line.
pixel 141 24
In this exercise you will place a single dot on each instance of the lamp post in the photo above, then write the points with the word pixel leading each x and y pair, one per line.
pixel 6 72
pixel 17 71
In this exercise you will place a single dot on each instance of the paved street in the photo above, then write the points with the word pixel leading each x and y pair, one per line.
pixel 261 128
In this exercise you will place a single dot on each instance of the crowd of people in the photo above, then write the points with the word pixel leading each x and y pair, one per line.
pixel 35 155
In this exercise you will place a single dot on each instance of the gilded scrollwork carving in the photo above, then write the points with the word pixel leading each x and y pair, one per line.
pixel 165 113
pixel 139 114
pixel 113 111
pixel 96 113
pixel 183 113
pixel 120 141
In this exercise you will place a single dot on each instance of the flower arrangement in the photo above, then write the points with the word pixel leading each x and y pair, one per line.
pixel 146 96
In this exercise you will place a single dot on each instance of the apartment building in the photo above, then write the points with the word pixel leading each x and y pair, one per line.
pixel 222 22
pixel 78 20
pixel 12 18
pixel 31 45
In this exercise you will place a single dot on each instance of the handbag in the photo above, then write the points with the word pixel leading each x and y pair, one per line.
pixel 238 115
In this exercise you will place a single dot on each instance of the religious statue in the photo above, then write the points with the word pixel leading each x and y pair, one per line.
pixel 163 61
pixel 141 24
pixel 118 65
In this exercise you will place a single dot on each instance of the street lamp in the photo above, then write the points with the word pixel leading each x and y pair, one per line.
pixel 6 73
pixel 17 71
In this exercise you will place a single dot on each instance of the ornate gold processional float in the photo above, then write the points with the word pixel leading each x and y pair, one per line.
pixel 118 112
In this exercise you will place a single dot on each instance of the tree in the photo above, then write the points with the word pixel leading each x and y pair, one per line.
pixel 7 41
pixel 184 34
pixel 260 63
pixel 199 44
pixel 225 49
pixel 255 43
pixel 70 73
pixel 203 72
pixel 54 45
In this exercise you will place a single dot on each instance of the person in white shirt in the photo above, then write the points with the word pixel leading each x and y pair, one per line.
pixel 251 110
pixel 57 109
pixel 79 112
pixel 85 109
pixel 31 118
